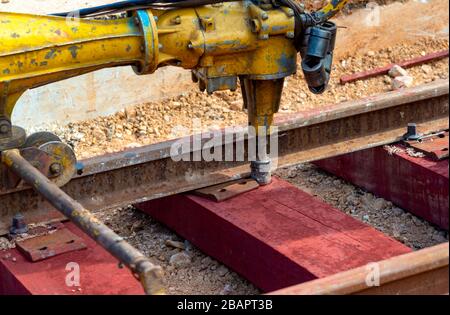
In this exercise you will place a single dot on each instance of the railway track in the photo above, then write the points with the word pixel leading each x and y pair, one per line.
pixel 149 172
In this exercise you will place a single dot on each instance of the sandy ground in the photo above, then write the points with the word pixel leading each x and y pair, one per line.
pixel 418 29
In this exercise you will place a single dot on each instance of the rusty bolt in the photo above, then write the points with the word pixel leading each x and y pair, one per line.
pixel 290 35
pixel 18 225
pixel 412 133
pixel 176 20
pixel 55 168
pixel 4 127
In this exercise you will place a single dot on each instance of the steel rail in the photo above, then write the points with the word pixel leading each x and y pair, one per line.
pixel 149 274
pixel 149 172
pixel 421 272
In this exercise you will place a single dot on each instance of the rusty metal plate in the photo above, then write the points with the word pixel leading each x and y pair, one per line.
pixel 435 147
pixel 50 245
pixel 229 190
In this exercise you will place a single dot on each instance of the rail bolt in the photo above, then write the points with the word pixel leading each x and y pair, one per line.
pixel 4 127
pixel 19 225
pixel 55 168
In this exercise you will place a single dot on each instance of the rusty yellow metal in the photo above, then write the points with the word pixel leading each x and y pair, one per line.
pixel 222 39
pixel 37 50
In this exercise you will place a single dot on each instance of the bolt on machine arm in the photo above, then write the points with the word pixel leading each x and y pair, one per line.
pixel 221 41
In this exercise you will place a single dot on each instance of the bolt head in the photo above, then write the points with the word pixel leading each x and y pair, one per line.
pixel 290 35
pixel 19 225
pixel 55 168
pixel 4 127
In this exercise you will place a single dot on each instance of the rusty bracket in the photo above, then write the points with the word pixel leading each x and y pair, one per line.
pixel 434 145
pixel 57 242
pixel 227 190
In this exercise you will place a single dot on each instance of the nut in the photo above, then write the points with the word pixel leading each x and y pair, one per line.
pixel 4 127
pixel 55 168
pixel 290 35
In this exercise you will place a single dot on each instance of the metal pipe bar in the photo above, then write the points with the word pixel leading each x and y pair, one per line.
pixel 385 69
pixel 421 272
pixel 148 273
pixel 149 172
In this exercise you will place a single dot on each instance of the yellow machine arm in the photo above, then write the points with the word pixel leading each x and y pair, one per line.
pixel 255 41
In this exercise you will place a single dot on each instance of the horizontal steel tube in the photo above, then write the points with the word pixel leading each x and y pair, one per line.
pixel 139 264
